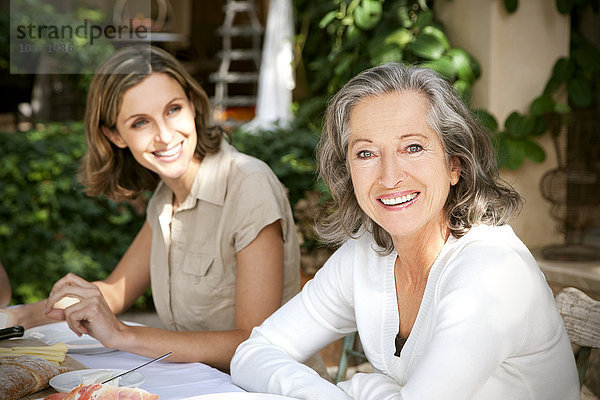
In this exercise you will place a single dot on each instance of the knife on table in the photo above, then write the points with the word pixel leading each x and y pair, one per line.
pixel 13 331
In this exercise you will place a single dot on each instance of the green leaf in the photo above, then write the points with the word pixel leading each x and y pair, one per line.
pixel 352 34
pixel 520 126
pixel 529 122
pixel 516 153
pixel 403 16
pixel 533 151
pixel 384 53
pixel 486 119
pixel 463 64
pixel 513 123
pixel 400 37
pixel 352 6
pixel 475 67
pixel 427 46
pixel 542 105
pixel 540 127
pixel 464 89
pixel 444 66
pixel 552 86
pixel 326 20
pixel 344 64
pixel 580 92
pixel 424 18
pixel 563 69
pixel 588 58
pixel 564 6
pixel 368 14
pixel 511 5
pixel 501 148
pixel 439 34
pixel 562 108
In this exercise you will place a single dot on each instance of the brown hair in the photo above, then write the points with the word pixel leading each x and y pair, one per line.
pixel 110 170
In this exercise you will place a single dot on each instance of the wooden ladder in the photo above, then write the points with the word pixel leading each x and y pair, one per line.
pixel 225 75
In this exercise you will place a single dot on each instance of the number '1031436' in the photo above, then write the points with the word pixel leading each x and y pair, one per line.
pixel 48 48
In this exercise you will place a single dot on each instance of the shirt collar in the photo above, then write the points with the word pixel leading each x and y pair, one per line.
pixel 210 183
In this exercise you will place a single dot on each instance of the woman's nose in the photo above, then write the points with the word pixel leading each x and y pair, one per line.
pixel 392 171
pixel 164 133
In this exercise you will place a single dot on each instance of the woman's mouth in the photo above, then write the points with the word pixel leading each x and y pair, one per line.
pixel 168 153
pixel 401 200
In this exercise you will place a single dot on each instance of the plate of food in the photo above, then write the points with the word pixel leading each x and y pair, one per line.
pixel 238 396
pixel 69 380
pixel 59 332
pixel 99 391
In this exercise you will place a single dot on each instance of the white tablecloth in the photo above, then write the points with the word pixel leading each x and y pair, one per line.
pixel 167 380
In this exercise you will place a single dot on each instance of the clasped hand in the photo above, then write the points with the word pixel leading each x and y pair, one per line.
pixel 85 309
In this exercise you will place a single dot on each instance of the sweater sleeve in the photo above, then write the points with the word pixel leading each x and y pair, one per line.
pixel 270 360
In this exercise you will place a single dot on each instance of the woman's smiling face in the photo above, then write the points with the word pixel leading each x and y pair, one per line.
pixel 156 122
pixel 399 170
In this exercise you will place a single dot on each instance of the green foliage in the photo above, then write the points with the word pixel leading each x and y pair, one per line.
pixel 289 153
pixel 345 37
pixel 577 76
pixel 570 6
pixel 48 226
pixel 511 5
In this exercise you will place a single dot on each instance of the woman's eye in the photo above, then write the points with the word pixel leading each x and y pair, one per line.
pixel 364 154
pixel 174 109
pixel 414 148
pixel 139 123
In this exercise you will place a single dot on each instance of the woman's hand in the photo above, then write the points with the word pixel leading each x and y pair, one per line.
pixel 83 306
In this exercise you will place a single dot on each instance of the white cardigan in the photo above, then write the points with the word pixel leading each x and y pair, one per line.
pixel 487 328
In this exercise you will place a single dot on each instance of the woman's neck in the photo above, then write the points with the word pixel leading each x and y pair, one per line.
pixel 182 186
pixel 417 253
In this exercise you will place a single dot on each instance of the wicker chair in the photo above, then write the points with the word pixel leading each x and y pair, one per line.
pixel 581 315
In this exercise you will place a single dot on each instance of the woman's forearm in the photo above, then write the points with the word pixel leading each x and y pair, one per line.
pixel 215 348
pixel 28 315
pixel 5 291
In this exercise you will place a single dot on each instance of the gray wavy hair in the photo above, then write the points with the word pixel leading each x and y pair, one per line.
pixel 479 197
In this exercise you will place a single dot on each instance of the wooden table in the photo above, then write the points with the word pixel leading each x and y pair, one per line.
pixel 69 363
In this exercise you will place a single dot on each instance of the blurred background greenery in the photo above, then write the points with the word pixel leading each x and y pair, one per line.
pixel 48 226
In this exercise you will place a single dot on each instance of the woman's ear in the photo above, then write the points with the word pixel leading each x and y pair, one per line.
pixel 454 170
pixel 114 136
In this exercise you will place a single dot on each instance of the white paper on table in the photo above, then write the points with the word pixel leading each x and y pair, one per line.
pixel 167 380
pixel 3 320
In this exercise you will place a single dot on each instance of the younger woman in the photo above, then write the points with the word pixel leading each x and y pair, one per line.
pixel 219 246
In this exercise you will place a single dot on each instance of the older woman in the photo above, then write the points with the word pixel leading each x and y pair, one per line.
pixel 448 302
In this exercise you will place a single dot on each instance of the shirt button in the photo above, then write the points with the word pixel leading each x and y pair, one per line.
pixel 196 279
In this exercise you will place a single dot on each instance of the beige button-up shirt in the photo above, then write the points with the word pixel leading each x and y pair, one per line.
pixel 193 259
